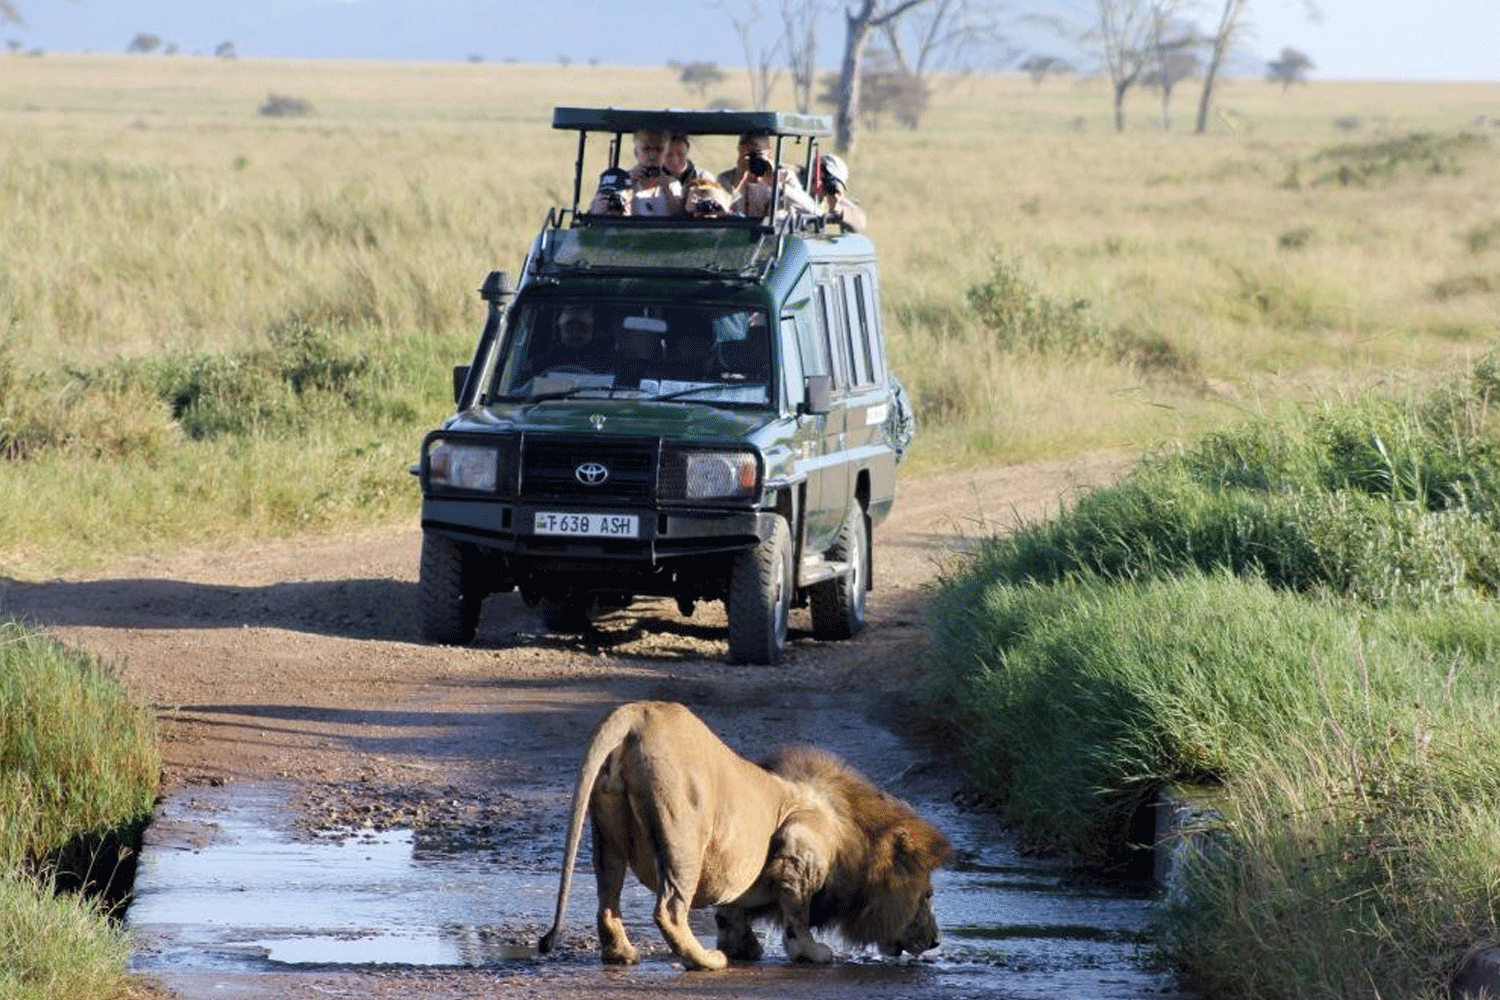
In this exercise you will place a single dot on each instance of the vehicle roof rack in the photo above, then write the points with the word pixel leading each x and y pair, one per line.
pixel 785 123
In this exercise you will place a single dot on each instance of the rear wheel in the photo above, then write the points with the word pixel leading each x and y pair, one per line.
pixel 760 598
pixel 838 605
pixel 449 599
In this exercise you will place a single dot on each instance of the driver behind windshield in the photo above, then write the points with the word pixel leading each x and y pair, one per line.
pixel 574 344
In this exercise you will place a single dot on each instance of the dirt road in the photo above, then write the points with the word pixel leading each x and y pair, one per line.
pixel 295 665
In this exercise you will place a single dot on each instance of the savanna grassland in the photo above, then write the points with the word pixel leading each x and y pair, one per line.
pixel 219 324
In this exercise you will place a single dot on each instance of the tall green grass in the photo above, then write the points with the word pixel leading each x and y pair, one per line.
pixel 78 775
pixel 1301 610
pixel 57 947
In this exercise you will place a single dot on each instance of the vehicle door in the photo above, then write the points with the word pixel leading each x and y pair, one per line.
pixel 868 398
pixel 834 486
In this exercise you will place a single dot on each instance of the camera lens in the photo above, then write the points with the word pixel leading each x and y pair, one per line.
pixel 759 165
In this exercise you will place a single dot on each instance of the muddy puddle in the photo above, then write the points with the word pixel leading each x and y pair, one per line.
pixel 233 884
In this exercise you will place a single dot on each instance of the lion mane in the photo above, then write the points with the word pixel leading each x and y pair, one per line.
pixel 802 841
pixel 882 870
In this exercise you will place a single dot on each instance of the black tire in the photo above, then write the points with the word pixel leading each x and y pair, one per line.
pixel 760 598
pixel 838 605
pixel 449 600
pixel 568 615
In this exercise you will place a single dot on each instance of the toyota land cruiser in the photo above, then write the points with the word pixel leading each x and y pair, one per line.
pixel 728 432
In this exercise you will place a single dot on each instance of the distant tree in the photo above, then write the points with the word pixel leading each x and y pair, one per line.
pixel 762 59
pixel 1172 61
pixel 476 57
pixel 884 90
pixel 1231 21
pixel 1291 68
pixel 593 60
pixel 1039 67
pixel 799 34
pixel 9 14
pixel 144 42
pixel 15 45
pixel 564 61
pixel 699 76
pixel 226 50
pixel 862 18
pixel 170 49
pixel 951 36
pixel 285 106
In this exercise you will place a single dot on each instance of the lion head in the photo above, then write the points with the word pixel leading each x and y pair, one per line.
pixel 879 888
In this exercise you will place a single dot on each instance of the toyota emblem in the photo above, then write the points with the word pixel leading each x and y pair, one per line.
pixel 591 473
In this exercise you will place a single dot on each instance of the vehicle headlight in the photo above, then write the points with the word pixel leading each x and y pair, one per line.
pixel 710 475
pixel 461 465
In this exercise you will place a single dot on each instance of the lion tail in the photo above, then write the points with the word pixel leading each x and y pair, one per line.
pixel 608 735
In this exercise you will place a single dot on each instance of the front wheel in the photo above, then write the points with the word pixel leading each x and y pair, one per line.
pixel 838 605
pixel 449 599
pixel 760 598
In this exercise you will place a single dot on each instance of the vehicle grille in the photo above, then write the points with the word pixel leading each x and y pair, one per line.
pixel 549 470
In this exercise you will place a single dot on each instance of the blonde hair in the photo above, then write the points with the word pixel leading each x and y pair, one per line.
pixel 717 191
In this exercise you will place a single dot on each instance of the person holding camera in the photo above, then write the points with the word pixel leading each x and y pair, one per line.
pixel 706 199
pixel 652 191
pixel 831 185
pixel 752 176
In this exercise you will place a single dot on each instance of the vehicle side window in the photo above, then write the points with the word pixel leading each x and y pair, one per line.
pixel 869 322
pixel 832 335
pixel 856 336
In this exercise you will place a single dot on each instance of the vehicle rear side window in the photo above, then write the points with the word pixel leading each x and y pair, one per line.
pixel 857 338
pixel 829 309
pixel 869 324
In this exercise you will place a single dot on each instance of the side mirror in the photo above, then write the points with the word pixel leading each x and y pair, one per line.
pixel 460 377
pixel 818 397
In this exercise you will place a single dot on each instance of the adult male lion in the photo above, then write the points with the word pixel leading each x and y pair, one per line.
pixel 807 843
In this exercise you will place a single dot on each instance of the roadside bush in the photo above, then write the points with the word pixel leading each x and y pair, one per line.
pixel 77 754
pixel 78 776
pixel 57 947
pixel 1020 317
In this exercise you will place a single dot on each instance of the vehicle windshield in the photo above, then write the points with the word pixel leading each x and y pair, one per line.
pixel 691 353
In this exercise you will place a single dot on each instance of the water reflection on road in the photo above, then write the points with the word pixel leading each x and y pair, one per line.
pixel 228 890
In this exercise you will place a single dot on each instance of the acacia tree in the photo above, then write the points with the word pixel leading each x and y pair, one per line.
pixel 1291 68
pixel 947 35
pixel 1172 61
pixel 1231 24
pixel 799 38
pixel 862 18
pixel 762 61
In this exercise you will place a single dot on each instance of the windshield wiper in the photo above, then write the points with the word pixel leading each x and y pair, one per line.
pixel 715 387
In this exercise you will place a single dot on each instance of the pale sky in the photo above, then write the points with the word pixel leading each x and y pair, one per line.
pixel 1355 39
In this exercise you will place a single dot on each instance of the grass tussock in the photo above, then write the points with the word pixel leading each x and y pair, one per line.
pixel 58 947
pixel 1299 610
pixel 78 776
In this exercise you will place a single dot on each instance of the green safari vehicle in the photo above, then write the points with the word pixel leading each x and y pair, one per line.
pixel 729 431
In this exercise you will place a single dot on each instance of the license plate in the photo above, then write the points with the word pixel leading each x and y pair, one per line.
pixel 591 525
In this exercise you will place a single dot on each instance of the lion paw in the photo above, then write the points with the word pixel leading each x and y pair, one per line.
pixel 624 954
pixel 710 961
pixel 807 949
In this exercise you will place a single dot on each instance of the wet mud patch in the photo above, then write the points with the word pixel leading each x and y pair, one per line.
pixel 446 820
